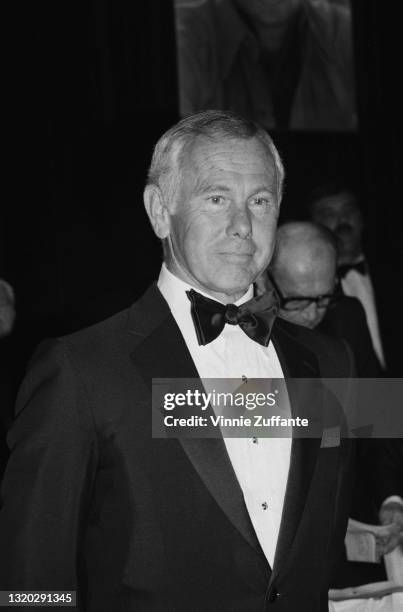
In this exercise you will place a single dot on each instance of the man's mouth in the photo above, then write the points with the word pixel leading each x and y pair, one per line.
pixel 237 256
pixel 344 230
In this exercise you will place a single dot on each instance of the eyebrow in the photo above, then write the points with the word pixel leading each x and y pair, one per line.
pixel 265 188
pixel 210 187
pixel 204 187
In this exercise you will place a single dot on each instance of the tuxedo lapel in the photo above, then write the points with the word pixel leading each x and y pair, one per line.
pixel 297 362
pixel 161 352
pixel 210 459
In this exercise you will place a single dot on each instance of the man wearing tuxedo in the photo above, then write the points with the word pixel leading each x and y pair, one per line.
pixel 303 272
pixel 337 209
pixel 91 501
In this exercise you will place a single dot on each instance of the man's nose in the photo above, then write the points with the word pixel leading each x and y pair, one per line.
pixel 240 224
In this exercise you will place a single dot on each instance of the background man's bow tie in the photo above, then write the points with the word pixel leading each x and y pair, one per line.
pixel 255 317
pixel 360 267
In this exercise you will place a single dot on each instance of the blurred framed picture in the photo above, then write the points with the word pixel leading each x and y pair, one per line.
pixel 287 64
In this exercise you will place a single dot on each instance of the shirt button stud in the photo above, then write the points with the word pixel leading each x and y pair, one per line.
pixel 273 595
pixel 265 505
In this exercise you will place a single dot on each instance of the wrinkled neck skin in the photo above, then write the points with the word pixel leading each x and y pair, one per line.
pixel 175 267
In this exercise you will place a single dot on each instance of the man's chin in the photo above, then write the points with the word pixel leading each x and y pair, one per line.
pixel 347 248
pixel 232 285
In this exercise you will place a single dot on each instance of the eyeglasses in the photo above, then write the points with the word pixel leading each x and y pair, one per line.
pixel 296 302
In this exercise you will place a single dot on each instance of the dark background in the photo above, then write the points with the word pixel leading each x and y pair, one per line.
pixel 96 86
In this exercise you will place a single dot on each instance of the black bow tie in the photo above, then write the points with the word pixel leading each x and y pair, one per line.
pixel 360 267
pixel 255 317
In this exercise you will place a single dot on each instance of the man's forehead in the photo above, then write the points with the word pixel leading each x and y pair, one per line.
pixel 337 203
pixel 307 281
pixel 208 155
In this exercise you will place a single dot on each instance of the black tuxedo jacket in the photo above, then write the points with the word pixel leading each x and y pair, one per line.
pixel 92 502
pixel 346 319
pixel 380 461
pixel 388 299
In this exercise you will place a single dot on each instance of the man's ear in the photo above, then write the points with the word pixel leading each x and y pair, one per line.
pixel 157 211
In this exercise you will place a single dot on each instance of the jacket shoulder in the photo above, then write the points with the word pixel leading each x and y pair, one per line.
pixel 136 320
pixel 112 324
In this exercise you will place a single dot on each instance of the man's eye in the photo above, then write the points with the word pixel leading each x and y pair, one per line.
pixel 260 201
pixel 217 199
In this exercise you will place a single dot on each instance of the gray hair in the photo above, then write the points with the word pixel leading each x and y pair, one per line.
pixel 173 146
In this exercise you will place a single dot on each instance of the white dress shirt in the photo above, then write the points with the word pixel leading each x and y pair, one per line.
pixel 360 286
pixel 261 465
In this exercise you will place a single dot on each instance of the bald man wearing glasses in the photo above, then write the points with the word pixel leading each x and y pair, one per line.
pixel 303 274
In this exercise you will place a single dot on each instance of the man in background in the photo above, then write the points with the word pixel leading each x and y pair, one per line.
pixel 303 272
pixel 7 390
pixel 305 264
pixel 337 209
pixel 7 308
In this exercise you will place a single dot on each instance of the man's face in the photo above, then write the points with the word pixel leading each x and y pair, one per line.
pixel 315 282
pixel 224 219
pixel 340 214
